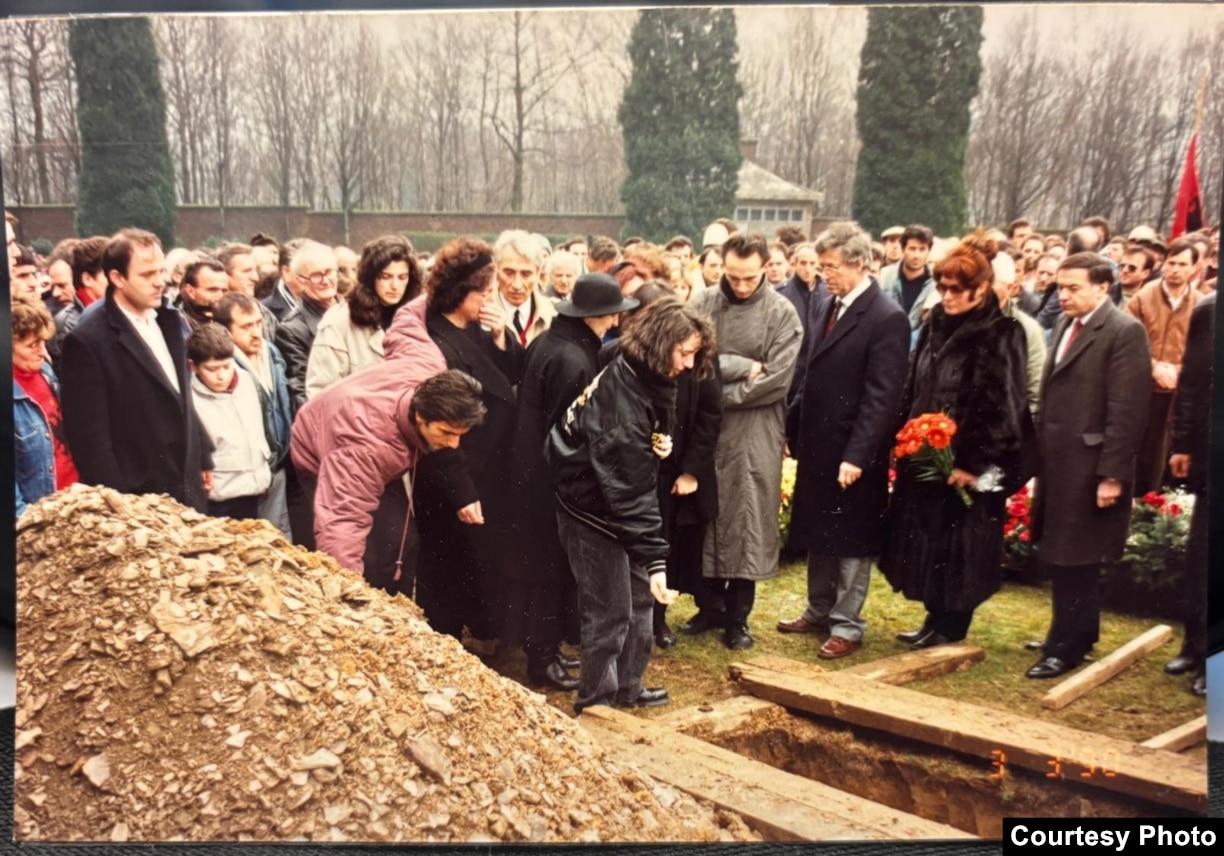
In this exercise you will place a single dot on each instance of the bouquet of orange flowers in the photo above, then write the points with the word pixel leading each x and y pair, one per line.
pixel 927 440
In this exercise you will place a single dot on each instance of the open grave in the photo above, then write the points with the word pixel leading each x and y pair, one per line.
pixel 806 753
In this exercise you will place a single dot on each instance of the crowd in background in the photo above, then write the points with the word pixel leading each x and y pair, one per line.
pixel 542 445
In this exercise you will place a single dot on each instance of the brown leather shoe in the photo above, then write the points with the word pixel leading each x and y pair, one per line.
pixel 836 647
pixel 802 625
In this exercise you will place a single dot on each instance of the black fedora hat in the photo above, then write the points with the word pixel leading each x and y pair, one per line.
pixel 595 294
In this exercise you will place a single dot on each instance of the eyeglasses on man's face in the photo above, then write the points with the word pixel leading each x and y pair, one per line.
pixel 319 277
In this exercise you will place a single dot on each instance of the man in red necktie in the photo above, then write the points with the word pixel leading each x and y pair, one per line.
pixel 520 258
pixel 1094 395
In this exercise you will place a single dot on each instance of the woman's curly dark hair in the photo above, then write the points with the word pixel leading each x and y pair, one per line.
pixel 659 327
pixel 364 302
pixel 457 272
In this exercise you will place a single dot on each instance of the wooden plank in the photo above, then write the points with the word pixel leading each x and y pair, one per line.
pixel 896 671
pixel 919 665
pixel 1107 667
pixel 725 715
pixel 1116 765
pixel 779 805
pixel 1182 737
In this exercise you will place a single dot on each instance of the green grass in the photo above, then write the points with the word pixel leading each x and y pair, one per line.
pixel 1137 704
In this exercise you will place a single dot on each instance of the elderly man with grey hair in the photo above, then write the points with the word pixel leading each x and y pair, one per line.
pixel 314 266
pixel 839 426
pixel 520 258
pixel 564 268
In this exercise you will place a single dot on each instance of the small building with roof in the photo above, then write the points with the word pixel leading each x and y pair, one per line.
pixel 765 201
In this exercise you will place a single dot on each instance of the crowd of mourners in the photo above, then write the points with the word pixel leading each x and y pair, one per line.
pixel 543 446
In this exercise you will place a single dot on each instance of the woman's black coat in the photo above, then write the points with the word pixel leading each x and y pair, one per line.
pixel 450 479
pixel 971 367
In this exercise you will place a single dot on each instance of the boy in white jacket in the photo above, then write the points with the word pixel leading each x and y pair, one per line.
pixel 227 403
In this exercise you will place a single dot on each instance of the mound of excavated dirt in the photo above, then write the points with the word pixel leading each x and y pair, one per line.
pixel 184 677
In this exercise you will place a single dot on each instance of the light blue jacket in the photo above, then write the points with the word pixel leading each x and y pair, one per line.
pixel 34 450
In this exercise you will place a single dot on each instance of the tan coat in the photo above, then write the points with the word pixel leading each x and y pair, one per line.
pixel 1166 327
pixel 340 349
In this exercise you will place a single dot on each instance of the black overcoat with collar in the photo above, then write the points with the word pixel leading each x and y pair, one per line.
pixel 480 469
pixel 1094 408
pixel 844 408
pixel 559 365
pixel 127 427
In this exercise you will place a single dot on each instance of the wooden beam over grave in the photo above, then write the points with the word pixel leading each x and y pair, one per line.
pixel 1116 765
pixel 1083 682
pixel 725 714
pixel 779 805
pixel 1182 737
pixel 897 671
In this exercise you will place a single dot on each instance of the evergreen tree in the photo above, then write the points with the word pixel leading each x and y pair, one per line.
pixel 919 73
pixel 126 176
pixel 680 119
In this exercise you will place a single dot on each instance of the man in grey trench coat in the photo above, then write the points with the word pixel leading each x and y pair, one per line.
pixel 1094 397
pixel 759 337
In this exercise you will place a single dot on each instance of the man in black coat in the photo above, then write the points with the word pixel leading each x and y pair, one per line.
pixel 540 593
pixel 125 387
pixel 1094 405
pixel 314 265
pixel 1191 445
pixel 839 427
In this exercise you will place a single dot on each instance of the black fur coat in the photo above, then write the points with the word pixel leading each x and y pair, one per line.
pixel 971 367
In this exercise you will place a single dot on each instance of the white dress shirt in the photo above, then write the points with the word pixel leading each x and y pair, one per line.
pixel 146 327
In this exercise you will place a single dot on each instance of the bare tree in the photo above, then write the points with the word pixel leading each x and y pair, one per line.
pixel 525 80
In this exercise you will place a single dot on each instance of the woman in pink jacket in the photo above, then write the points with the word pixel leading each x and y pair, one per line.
pixel 355 441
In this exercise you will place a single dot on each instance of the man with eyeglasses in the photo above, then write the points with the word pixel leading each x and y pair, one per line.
pixel 314 266
pixel 759 339
pixel 1134 270
pixel 840 427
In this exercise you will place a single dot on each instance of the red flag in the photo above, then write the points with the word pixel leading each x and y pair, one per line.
pixel 1188 215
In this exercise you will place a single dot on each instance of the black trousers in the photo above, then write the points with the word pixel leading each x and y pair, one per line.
pixel 238 508
pixel 1195 642
pixel 1076 625
pixel 950 623
pixel 734 598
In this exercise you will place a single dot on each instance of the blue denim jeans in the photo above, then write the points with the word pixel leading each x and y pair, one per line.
pixel 274 507
pixel 615 609
pixel 837 589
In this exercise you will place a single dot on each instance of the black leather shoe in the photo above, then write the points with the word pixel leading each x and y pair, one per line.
pixel 1181 664
pixel 1034 645
pixel 737 637
pixel 555 676
pixel 1199 687
pixel 1050 667
pixel 649 697
pixel 703 621
pixel 664 638
pixel 929 640
pixel 567 662
pixel 909 637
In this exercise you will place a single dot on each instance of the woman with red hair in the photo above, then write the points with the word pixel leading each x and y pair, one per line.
pixel 970 364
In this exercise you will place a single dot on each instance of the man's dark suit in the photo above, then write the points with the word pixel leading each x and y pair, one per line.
pixel 1191 435
pixel 126 425
pixel 295 336
pixel 1093 413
